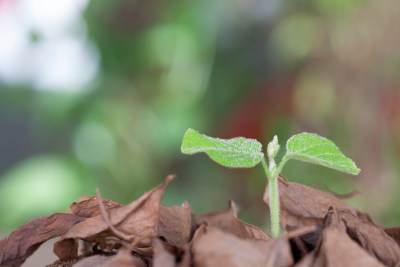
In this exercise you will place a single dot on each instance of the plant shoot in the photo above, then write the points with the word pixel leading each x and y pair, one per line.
pixel 242 152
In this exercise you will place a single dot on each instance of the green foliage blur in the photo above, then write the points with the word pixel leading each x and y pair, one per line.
pixel 227 68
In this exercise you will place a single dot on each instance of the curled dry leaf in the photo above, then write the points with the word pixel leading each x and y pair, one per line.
pixel 339 196
pixel 227 221
pixel 370 236
pixel 309 238
pixel 336 248
pixel 90 208
pixel 301 205
pixel 213 247
pixel 82 198
pixel 21 243
pixel 303 240
pixel 138 220
pixel 175 224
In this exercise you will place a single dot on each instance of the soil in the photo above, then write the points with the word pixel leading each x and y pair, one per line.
pixel 321 230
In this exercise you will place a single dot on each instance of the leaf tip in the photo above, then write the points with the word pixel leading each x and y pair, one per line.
pixel 170 178
pixel 185 140
pixel 189 130
pixel 356 170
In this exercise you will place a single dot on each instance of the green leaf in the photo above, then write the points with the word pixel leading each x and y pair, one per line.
pixel 237 152
pixel 319 150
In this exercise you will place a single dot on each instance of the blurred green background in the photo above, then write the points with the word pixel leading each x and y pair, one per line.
pixel 98 94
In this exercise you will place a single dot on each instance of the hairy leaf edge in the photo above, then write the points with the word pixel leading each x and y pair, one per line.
pixel 353 169
pixel 186 151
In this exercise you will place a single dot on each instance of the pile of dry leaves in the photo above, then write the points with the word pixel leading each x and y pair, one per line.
pixel 321 231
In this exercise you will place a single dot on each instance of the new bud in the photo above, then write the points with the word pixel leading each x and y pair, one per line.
pixel 273 148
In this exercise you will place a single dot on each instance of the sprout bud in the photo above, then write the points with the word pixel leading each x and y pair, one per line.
pixel 273 148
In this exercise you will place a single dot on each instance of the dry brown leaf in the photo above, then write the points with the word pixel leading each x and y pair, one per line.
pixel 82 198
pixel 89 207
pixel 124 258
pixel 165 254
pixel 175 224
pixel 95 260
pixel 111 227
pixel 310 238
pixel 66 249
pixel 370 236
pixel 184 257
pixel 161 257
pixel 301 205
pixel 393 232
pixel 303 240
pixel 339 196
pixel 336 248
pixel 213 247
pixel 227 221
pixel 21 243
pixel 138 220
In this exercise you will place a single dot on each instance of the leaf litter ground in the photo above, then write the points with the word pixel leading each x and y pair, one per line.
pixel 321 231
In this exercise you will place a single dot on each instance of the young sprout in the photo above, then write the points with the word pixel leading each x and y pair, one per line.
pixel 241 152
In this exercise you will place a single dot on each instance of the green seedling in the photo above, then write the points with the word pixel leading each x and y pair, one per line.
pixel 241 152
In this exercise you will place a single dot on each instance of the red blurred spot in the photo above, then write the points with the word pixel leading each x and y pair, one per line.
pixel 258 111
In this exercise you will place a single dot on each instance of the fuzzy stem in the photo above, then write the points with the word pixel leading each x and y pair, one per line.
pixel 273 196
pixel 274 205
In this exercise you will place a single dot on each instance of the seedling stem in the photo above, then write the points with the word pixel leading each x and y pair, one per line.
pixel 274 198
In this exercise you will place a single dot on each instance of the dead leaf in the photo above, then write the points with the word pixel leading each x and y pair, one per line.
pixel 303 240
pixel 393 232
pixel 95 260
pixel 21 243
pixel 66 249
pixel 82 198
pixel 227 221
pixel 89 207
pixel 165 254
pixel 336 248
pixel 301 205
pixel 184 256
pixel 124 258
pixel 370 236
pixel 339 196
pixel 213 247
pixel 310 239
pixel 138 220
pixel 66 263
pixel 162 257
pixel 111 227
pixel 175 224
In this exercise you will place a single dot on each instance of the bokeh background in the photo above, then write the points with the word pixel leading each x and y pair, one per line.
pixel 98 94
